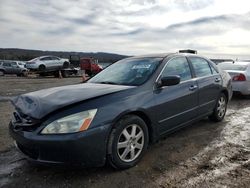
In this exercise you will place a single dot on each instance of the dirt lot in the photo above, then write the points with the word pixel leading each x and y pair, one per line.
pixel 202 155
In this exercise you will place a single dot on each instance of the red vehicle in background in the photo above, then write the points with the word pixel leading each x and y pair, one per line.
pixel 90 65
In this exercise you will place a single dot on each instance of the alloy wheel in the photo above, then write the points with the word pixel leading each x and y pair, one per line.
pixel 130 143
pixel 221 108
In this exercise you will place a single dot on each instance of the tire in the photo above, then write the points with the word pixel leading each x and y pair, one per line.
pixel 41 67
pixel 65 74
pixel 24 73
pixel 132 134
pixel 66 65
pixel 220 109
pixel 2 73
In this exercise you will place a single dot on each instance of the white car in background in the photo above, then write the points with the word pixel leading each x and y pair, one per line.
pixel 47 63
pixel 240 74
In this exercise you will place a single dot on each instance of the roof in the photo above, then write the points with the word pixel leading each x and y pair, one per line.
pixel 46 56
pixel 164 55
pixel 160 55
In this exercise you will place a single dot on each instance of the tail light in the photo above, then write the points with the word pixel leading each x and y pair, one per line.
pixel 239 77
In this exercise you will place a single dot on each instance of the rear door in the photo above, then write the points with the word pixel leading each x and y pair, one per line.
pixel 176 105
pixel 56 62
pixel 47 61
pixel 15 68
pixel 209 82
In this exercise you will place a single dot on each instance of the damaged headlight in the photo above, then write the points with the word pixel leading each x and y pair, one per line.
pixel 71 124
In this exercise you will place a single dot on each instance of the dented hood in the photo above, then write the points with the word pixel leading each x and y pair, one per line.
pixel 40 103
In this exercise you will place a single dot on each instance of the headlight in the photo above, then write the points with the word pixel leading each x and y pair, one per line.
pixel 70 124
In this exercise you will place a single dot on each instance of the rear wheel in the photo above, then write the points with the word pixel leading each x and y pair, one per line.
pixel 220 109
pixel 41 67
pixel 1 73
pixel 24 73
pixel 128 142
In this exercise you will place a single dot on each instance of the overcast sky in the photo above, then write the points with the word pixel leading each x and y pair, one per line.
pixel 126 26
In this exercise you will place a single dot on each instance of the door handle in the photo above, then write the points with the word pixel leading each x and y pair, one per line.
pixel 217 79
pixel 193 87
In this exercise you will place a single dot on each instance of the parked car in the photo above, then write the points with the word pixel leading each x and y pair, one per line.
pixel 47 63
pixel 12 67
pixel 240 73
pixel 120 111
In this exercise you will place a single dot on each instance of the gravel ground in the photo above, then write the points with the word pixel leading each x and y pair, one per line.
pixel 205 154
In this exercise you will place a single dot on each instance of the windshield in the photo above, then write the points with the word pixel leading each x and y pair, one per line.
pixel 127 72
pixel 228 66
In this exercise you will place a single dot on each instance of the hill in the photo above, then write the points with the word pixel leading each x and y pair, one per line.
pixel 26 54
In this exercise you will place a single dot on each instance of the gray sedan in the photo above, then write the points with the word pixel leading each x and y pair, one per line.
pixel 117 113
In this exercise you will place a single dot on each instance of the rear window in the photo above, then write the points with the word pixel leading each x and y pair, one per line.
pixel 227 66
pixel 201 66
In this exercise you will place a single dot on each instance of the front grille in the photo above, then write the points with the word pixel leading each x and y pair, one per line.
pixel 20 120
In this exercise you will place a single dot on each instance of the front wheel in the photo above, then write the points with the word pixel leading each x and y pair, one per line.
pixel 128 142
pixel 220 109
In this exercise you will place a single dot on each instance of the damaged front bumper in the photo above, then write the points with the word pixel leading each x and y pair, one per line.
pixel 86 148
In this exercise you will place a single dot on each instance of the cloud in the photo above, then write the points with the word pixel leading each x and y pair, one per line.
pixel 193 4
pixel 126 26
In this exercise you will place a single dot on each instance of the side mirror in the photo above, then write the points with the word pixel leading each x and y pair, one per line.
pixel 169 81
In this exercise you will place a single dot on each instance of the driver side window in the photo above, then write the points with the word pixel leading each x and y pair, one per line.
pixel 178 66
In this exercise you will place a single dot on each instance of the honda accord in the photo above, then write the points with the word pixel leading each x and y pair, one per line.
pixel 115 115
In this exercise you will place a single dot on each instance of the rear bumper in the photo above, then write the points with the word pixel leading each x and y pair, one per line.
pixel 85 148
pixel 241 87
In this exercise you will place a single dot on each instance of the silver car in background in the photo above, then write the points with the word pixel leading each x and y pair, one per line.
pixel 12 67
pixel 240 73
pixel 47 63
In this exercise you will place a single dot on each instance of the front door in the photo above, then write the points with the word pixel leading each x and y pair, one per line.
pixel 8 68
pixel 176 105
